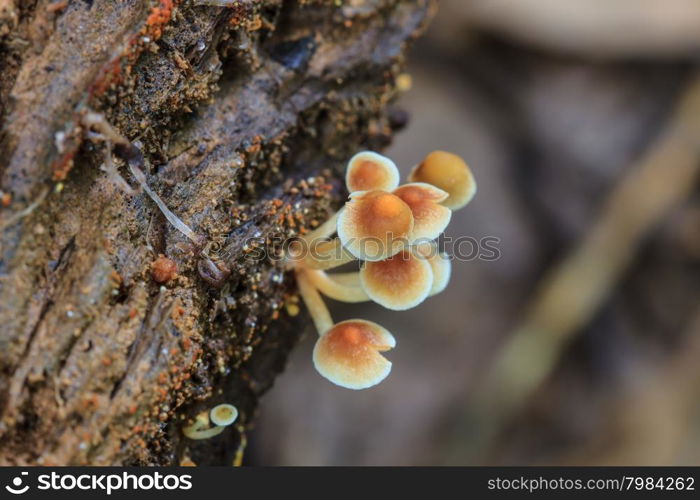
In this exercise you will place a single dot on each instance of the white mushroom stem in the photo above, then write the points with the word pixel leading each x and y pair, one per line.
pixel 205 433
pixel 337 290
pixel 324 255
pixel 200 428
pixel 348 279
pixel 325 230
pixel 314 302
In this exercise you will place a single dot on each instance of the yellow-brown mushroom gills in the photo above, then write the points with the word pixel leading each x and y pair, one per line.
pixel 400 282
pixel 442 169
pixel 448 172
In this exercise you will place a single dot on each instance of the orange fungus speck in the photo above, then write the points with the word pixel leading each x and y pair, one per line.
pixel 163 269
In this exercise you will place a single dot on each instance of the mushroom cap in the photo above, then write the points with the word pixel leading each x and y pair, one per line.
pixel 223 414
pixel 429 217
pixel 440 264
pixel 375 225
pixel 369 171
pixel 348 354
pixel 399 282
pixel 448 172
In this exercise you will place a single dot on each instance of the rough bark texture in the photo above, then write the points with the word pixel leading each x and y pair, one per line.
pixel 245 115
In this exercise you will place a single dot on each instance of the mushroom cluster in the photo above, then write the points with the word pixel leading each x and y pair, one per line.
pixel 392 230
pixel 212 423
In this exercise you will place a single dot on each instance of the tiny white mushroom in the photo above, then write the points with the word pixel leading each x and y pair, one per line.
pixel 223 414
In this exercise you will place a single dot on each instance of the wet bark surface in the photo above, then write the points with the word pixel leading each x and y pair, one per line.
pixel 245 115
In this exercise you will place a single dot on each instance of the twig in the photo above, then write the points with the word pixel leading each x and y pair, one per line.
pixel 134 159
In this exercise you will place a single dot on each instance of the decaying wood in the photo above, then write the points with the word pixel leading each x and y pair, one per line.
pixel 549 137
pixel 245 115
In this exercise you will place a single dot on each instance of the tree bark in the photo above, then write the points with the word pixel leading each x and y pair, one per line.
pixel 245 115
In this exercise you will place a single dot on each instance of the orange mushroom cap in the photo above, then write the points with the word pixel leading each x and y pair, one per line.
pixel 448 172
pixel 430 218
pixel 375 225
pixel 348 354
pixel 370 171
pixel 399 282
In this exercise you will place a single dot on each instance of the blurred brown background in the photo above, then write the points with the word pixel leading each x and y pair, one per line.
pixel 581 344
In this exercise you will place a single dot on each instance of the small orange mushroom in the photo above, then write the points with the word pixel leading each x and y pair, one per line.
pixel 346 353
pixel 450 173
pixel 371 171
pixel 318 253
pixel 201 428
pixel 337 289
pixel 349 354
pixel 399 282
pixel 430 218
pixel 375 225
pixel 314 303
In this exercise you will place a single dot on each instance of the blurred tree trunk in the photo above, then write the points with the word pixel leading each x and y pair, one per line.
pixel 245 115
